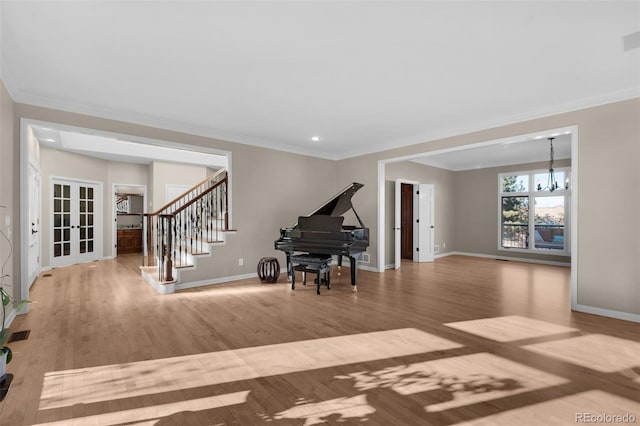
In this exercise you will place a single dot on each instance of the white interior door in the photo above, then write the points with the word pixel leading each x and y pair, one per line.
pixel 34 223
pixel 77 222
pixel 424 226
pixel 175 191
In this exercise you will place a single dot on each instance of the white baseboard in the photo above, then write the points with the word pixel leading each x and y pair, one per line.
pixel 441 255
pixel 389 266
pixel 367 268
pixel 493 256
pixel 45 268
pixel 606 312
pixel 160 288
pixel 515 259
pixel 359 266
pixel 10 318
pixel 182 286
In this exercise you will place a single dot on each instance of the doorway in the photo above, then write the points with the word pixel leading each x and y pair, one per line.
pixel 128 209
pixel 76 221
pixel 413 224
pixel 406 221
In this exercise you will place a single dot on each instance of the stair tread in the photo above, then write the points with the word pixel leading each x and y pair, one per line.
pixel 186 265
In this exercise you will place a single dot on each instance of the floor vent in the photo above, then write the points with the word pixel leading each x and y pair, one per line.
pixel 46 275
pixel 19 335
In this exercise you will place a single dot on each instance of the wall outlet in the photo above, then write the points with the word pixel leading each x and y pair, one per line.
pixel 240 262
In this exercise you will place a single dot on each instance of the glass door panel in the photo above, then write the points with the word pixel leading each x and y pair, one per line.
pixel 61 220
pixel 74 209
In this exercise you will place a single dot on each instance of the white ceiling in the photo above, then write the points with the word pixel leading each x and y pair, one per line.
pixel 363 76
pixel 531 150
pixel 113 149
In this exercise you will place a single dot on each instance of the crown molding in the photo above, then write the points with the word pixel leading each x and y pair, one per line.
pixel 594 101
pixel 25 97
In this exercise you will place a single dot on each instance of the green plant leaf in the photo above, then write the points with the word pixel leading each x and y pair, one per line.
pixel 4 335
pixel 9 353
pixel 21 303
pixel 5 298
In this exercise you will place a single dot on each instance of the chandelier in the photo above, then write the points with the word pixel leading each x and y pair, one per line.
pixel 552 183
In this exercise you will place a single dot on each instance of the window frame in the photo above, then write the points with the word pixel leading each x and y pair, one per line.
pixel 532 193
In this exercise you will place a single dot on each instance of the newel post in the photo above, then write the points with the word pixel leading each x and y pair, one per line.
pixel 167 248
pixel 226 202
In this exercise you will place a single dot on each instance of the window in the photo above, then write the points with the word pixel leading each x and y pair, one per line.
pixel 531 218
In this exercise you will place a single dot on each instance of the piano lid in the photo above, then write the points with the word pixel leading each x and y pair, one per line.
pixel 340 203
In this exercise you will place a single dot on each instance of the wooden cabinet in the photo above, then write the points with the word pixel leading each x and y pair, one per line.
pixel 129 241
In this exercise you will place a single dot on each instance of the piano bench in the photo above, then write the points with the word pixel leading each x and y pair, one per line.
pixel 318 264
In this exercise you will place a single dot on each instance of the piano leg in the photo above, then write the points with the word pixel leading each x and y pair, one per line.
pixel 353 262
pixel 291 272
pixel 339 264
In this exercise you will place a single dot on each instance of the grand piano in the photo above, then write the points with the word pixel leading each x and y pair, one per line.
pixel 322 233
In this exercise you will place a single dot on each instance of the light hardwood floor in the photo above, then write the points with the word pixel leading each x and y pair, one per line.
pixel 460 340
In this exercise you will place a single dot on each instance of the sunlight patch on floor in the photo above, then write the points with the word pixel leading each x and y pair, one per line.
pixel 509 328
pixel 214 291
pixel 584 407
pixel 151 415
pixel 110 382
pixel 338 410
pixel 458 381
pixel 602 353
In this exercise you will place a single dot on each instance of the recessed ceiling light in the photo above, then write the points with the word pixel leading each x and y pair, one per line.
pixel 315 138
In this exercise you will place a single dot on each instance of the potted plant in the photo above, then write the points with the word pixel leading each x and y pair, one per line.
pixel 5 351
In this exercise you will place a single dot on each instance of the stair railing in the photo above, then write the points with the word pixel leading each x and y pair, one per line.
pixel 187 224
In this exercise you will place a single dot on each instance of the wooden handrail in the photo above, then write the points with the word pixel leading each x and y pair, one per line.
pixel 199 196
pixel 167 228
pixel 170 203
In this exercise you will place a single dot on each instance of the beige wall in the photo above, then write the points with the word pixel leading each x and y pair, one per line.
pixel 173 174
pixel 270 189
pixel 61 164
pixel 444 195
pixel 127 173
pixel 608 175
pixel 56 163
pixel 476 211
pixel 7 195
pixel 609 197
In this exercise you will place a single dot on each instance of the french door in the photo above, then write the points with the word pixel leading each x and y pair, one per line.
pixel 76 219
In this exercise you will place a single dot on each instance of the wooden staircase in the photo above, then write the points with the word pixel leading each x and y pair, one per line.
pixel 185 229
